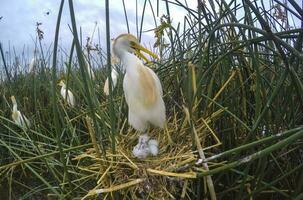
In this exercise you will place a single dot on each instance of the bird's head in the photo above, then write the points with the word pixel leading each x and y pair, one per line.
pixel 13 100
pixel 61 83
pixel 129 43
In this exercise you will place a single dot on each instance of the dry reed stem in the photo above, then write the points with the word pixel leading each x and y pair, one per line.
pixel 208 178
pixel 92 135
pixel 223 87
pixel 173 168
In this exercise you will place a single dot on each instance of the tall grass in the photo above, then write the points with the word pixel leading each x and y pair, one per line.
pixel 232 80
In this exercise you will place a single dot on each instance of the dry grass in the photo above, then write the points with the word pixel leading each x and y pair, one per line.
pixel 161 177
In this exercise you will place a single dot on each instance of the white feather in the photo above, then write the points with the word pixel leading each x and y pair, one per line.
pixel 153 147
pixel 69 97
pixel 18 117
pixel 90 71
pixel 33 65
pixel 135 88
pixel 140 115
pixel 141 150
pixel 114 75
pixel 143 92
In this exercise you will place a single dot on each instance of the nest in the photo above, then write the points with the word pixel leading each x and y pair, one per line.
pixel 165 176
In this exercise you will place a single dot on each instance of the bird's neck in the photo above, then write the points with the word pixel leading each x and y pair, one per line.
pixel 130 61
pixel 15 108
pixel 15 115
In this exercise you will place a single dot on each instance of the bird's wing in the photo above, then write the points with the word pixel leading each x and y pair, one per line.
pixel 148 85
pixel 63 92
pixel 114 75
pixel 157 81
pixel 24 121
pixel 32 65
pixel 106 87
pixel 71 98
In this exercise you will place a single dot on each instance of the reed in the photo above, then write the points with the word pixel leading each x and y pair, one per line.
pixel 231 73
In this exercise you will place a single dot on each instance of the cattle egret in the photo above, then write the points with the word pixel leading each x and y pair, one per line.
pixel 32 67
pixel 17 116
pixel 146 147
pixel 67 94
pixel 114 75
pixel 90 71
pixel 142 87
pixel 142 150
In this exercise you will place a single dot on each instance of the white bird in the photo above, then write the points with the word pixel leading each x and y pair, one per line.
pixel 32 65
pixel 90 71
pixel 17 116
pixel 114 75
pixel 142 150
pixel 153 146
pixel 67 94
pixel 145 147
pixel 142 87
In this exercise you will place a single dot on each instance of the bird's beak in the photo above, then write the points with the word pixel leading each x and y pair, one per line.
pixel 139 48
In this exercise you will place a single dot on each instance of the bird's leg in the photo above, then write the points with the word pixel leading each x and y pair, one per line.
pixel 144 138
pixel 147 131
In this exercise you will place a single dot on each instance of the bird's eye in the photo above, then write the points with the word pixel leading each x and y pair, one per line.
pixel 132 44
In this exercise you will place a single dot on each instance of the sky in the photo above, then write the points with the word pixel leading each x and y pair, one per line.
pixel 19 18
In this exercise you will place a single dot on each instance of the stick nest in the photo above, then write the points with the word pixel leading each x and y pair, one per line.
pixel 166 176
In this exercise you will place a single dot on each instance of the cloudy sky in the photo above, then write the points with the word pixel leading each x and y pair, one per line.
pixel 19 17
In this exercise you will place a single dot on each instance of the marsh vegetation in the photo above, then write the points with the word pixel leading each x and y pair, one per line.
pixel 232 77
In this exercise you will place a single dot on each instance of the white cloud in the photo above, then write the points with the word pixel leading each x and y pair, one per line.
pixel 20 17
